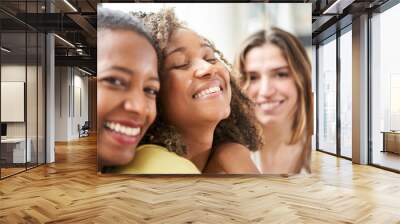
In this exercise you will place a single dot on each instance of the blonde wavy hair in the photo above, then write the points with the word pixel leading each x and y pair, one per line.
pixel 300 66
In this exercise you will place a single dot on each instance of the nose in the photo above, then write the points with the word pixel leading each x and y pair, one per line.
pixel 266 87
pixel 135 102
pixel 204 69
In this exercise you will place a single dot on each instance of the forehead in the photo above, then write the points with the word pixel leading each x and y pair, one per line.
pixel 126 49
pixel 109 39
pixel 267 56
pixel 184 37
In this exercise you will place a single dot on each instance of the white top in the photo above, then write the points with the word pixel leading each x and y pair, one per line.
pixel 255 156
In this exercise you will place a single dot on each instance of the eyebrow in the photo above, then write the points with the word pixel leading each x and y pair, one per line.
pixel 129 72
pixel 167 53
pixel 182 49
pixel 206 45
pixel 281 67
pixel 275 69
pixel 120 68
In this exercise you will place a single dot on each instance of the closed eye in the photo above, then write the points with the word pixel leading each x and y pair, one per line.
pixel 212 60
pixel 181 66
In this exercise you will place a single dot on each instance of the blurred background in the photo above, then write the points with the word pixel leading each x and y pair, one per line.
pixel 228 24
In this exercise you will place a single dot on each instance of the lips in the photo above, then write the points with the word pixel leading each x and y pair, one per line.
pixel 211 88
pixel 122 129
pixel 269 106
pixel 209 91
pixel 124 132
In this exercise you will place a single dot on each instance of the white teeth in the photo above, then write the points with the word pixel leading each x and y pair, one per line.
pixel 129 131
pixel 208 91
pixel 269 105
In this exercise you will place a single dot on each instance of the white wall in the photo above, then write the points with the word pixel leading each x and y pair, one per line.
pixel 61 103
pixel 33 126
pixel 82 83
pixel 220 29
pixel 69 85
pixel 14 73
pixel 228 24
pixel 80 110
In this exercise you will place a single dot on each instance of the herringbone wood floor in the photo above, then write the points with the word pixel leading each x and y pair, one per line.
pixel 70 191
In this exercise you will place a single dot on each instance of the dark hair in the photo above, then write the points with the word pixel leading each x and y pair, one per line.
pixel 118 20
pixel 239 127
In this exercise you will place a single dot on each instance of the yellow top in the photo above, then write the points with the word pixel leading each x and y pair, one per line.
pixel 155 159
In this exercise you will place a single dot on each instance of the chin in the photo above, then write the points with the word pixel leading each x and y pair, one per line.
pixel 227 113
pixel 119 161
pixel 122 162
pixel 114 156
pixel 217 113
pixel 267 120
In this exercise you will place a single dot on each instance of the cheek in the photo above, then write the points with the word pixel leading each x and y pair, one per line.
pixel 103 104
pixel 167 100
pixel 175 88
pixel 225 72
pixel 291 90
pixel 152 111
pixel 252 91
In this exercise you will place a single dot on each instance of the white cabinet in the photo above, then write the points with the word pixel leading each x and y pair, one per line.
pixel 17 146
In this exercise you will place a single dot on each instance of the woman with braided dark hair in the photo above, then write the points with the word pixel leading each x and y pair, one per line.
pixel 200 109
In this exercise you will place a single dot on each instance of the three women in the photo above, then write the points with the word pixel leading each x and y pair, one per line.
pixel 204 118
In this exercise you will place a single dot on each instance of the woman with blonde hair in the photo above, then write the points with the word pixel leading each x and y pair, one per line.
pixel 276 76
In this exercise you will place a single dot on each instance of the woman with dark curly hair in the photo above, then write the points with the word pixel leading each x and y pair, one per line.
pixel 200 108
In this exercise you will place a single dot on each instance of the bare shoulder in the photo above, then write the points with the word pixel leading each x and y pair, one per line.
pixel 232 150
pixel 234 158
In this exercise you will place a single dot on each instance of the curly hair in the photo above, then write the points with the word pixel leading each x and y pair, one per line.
pixel 239 127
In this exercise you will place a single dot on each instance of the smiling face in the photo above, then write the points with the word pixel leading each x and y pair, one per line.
pixel 195 84
pixel 272 86
pixel 127 88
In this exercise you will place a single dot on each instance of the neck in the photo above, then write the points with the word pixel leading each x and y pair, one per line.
pixel 277 155
pixel 276 135
pixel 198 142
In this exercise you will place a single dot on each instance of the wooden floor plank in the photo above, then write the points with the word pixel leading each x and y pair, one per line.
pixel 70 191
